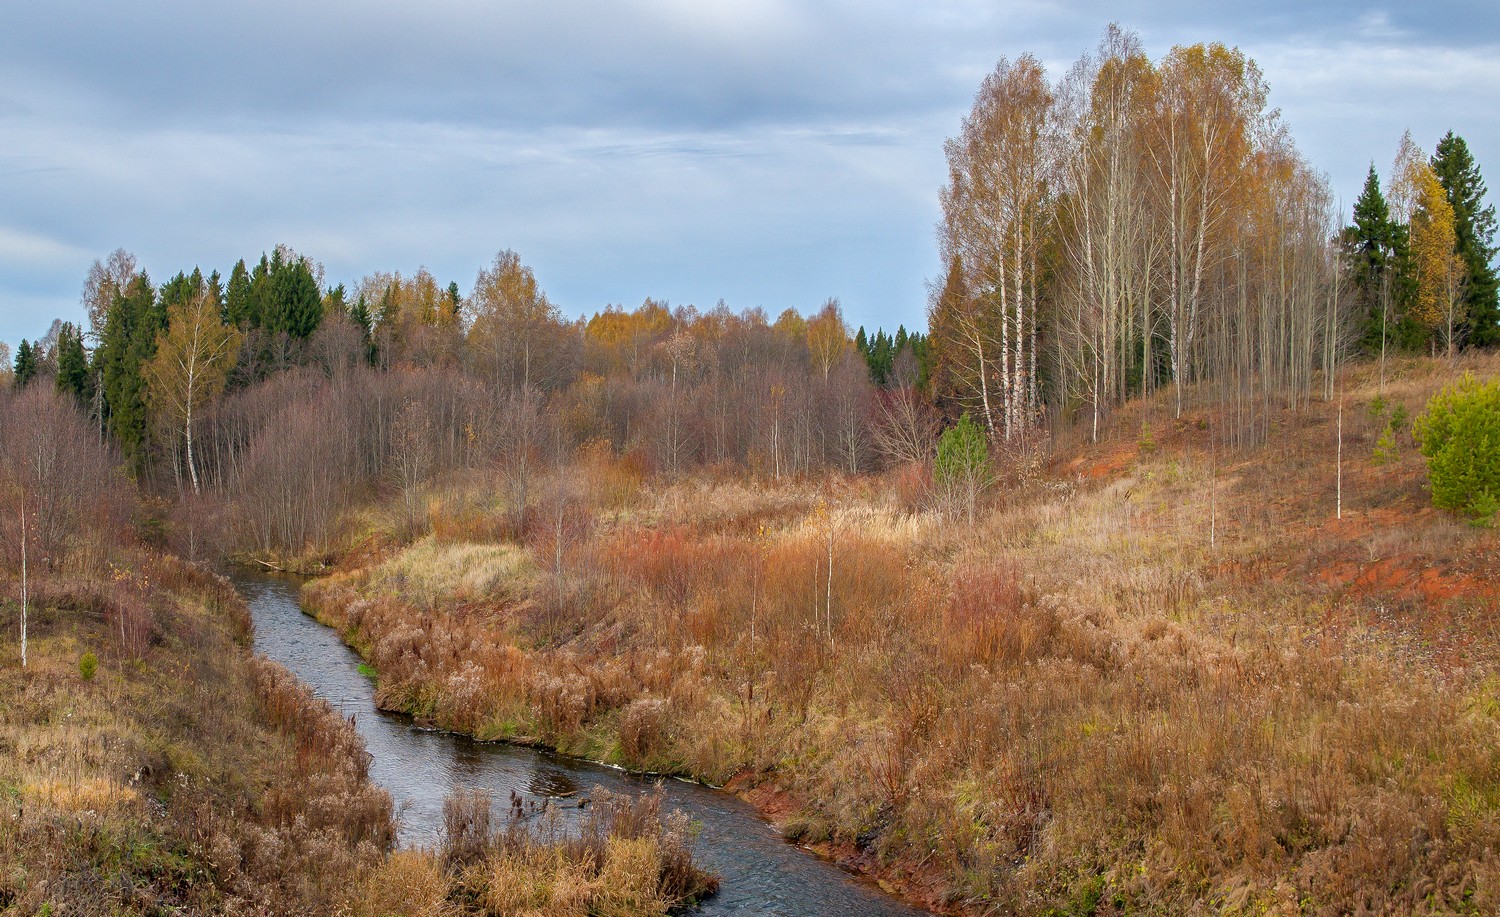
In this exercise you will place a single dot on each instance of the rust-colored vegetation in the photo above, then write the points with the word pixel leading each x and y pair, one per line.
pixel 1079 699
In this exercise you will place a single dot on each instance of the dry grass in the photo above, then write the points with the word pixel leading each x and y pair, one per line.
pixel 1083 702
pixel 624 860
pixel 185 776
pixel 432 573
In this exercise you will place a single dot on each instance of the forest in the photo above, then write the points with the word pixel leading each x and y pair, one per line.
pixel 1138 580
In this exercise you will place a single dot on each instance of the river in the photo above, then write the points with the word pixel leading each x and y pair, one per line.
pixel 760 873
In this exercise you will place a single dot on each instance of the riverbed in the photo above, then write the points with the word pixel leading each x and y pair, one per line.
pixel 760 872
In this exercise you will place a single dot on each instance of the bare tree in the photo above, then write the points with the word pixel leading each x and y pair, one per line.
pixel 412 457
pixel 906 426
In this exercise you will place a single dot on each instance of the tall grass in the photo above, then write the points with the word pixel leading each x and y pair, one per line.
pixel 185 776
pixel 1082 698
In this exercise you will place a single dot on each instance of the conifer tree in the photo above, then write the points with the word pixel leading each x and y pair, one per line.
pixel 1368 246
pixel 73 374
pixel 1474 226
pixel 292 304
pixel 25 363
pixel 129 340
pixel 238 301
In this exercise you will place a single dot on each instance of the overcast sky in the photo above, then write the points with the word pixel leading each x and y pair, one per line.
pixel 767 153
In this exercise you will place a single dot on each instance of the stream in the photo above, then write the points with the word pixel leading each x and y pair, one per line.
pixel 760 873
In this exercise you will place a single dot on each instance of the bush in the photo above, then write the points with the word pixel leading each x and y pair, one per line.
pixel 1459 433
pixel 88 664
pixel 1388 446
pixel 962 468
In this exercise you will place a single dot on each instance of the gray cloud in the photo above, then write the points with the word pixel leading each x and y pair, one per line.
pixel 769 153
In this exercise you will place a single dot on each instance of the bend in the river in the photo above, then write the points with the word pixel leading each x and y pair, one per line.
pixel 761 874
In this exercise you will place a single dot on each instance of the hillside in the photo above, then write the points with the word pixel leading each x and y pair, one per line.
pixel 1155 673
pixel 177 774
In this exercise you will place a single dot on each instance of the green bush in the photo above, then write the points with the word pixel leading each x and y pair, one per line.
pixel 1459 433
pixel 961 471
pixel 88 664
pixel 1388 446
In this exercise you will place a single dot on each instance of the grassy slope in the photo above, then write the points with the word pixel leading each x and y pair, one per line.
pixel 1078 704
pixel 185 775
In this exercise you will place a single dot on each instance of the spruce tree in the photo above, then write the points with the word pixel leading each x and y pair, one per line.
pixel 238 303
pixel 131 324
pixel 25 363
pixel 1374 252
pixel 1474 224
pixel 360 314
pixel 294 304
pixel 73 365
pixel 334 301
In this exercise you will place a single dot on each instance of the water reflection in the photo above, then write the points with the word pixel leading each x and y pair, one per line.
pixel 552 783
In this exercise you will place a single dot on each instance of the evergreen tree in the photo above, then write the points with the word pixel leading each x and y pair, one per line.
pixel 216 290
pixel 26 364
pixel 1381 273
pixel 334 301
pixel 181 289
pixel 238 302
pixel 260 288
pixel 1474 225
pixel 360 314
pixel 73 374
pixel 131 324
pixel 293 304
pixel 304 307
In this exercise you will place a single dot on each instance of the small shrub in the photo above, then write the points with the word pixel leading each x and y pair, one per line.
pixel 88 664
pixel 1388 446
pixel 962 469
pixel 1459 433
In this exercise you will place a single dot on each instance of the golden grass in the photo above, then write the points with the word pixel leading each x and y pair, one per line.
pixel 431 573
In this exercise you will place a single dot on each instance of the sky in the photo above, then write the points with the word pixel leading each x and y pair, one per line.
pixel 769 153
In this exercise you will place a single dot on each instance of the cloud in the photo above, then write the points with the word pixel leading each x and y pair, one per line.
pixel 772 152
pixel 19 246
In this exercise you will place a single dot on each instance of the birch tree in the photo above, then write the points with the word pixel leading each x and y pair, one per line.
pixel 1210 102
pixel 1439 268
pixel 995 210
pixel 1105 319
pixel 194 356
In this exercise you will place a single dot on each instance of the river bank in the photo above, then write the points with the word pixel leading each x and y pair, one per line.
pixel 421 767
pixel 151 764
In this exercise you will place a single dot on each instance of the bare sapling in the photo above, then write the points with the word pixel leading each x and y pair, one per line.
pixel 23 584
pixel 1338 474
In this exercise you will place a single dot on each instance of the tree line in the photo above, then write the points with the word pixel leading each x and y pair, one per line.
pixel 274 402
pixel 1139 224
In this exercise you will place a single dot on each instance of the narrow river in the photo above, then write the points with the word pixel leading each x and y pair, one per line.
pixel 761 873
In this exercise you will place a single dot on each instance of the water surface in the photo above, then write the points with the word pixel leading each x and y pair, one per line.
pixel 760 873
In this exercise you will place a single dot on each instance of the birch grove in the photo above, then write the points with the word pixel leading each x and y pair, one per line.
pixel 1131 226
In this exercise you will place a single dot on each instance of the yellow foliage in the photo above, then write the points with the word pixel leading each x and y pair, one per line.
pixel 1434 250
